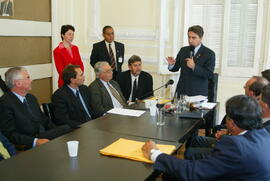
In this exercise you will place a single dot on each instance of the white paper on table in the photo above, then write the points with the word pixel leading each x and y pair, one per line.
pixel 207 105
pixel 126 112
pixel 196 99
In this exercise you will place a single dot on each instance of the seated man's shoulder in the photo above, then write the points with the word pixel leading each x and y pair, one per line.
pixel 146 74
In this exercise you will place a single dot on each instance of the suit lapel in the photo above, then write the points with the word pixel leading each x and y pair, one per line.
pixel 105 92
pixel 129 83
pixel 199 53
pixel 73 97
pixel 105 49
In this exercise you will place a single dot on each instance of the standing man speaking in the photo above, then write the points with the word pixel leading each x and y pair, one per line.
pixel 197 64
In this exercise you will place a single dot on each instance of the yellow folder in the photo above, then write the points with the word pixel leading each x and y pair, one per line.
pixel 130 149
pixel 161 100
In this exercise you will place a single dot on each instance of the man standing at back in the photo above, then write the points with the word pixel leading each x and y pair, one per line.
pixel 197 64
pixel 108 50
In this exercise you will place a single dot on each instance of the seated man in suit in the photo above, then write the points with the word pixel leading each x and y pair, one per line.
pixel 201 146
pixel 7 149
pixel 109 50
pixel 135 83
pixel 22 120
pixel 105 93
pixel 265 105
pixel 3 87
pixel 71 101
pixel 242 156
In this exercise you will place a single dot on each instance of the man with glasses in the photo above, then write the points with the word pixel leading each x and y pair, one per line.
pixel 104 92
pixel 109 50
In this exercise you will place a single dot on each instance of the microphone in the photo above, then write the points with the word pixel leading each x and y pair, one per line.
pixel 191 51
pixel 170 82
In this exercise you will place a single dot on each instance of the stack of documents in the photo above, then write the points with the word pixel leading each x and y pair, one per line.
pixel 160 100
pixel 130 149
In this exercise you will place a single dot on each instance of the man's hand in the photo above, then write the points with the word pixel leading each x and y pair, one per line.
pixel 147 147
pixel 220 133
pixel 190 63
pixel 41 141
pixel 170 60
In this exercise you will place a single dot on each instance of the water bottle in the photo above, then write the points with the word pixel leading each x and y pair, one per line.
pixel 160 115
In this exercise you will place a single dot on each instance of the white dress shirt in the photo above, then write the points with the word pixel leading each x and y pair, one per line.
pixel 132 82
pixel 113 49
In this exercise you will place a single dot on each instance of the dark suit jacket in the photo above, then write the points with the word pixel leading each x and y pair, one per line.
pixel 3 85
pixel 145 84
pixel 20 126
pixel 244 157
pixel 101 101
pixel 66 107
pixel 195 82
pixel 267 123
pixel 100 53
pixel 9 146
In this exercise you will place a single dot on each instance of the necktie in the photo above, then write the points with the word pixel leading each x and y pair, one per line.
pixel 112 60
pixel 3 151
pixel 134 91
pixel 27 105
pixel 116 95
pixel 87 114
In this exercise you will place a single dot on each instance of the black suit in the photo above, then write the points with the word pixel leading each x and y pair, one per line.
pixel 67 108
pixel 21 126
pixel 100 53
pixel 101 101
pixel 3 85
pixel 144 84
pixel 195 82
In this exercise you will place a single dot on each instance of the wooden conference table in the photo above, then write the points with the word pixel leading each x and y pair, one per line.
pixel 50 162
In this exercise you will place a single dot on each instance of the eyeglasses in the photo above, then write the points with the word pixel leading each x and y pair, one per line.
pixel 108 71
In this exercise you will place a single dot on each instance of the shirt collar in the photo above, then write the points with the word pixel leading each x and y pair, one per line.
pixel 73 89
pixel 133 76
pixel 107 43
pixel 21 98
pixel 196 49
pixel 265 120
pixel 243 132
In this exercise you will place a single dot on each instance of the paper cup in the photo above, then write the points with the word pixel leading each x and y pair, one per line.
pixel 73 148
pixel 153 110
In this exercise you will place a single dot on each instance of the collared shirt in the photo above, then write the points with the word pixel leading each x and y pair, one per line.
pixel 196 49
pixel 74 90
pixel 132 83
pixel 265 120
pixel 156 153
pixel 115 102
pixel 21 98
pixel 113 49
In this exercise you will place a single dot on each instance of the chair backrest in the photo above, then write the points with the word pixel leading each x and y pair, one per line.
pixel 48 110
pixel 212 88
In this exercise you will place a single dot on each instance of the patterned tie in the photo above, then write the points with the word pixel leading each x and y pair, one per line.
pixel 134 91
pixel 116 95
pixel 87 114
pixel 3 151
pixel 112 60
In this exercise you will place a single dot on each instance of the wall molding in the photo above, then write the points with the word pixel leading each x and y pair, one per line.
pixel 9 27
pixel 39 71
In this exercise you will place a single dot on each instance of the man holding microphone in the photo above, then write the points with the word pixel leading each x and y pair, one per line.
pixel 197 64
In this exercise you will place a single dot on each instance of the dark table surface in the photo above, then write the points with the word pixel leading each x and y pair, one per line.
pixel 145 126
pixel 51 162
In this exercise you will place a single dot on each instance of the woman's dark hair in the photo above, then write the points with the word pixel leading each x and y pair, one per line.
pixel 245 111
pixel 65 28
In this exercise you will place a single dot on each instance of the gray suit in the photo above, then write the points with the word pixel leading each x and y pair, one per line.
pixel 101 101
